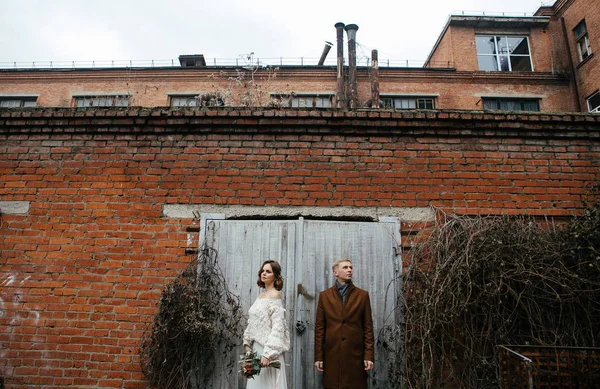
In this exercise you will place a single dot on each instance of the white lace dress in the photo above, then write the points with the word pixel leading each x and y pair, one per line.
pixel 267 333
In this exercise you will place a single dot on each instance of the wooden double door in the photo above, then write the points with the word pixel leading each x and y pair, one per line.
pixel 306 249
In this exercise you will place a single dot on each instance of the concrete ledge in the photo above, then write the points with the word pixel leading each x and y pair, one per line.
pixel 14 207
pixel 187 211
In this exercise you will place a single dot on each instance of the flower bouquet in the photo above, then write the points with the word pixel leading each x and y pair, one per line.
pixel 251 364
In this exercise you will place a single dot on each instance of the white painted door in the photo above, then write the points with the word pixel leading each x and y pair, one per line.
pixel 306 249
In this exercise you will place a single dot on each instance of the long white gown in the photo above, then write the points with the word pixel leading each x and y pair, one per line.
pixel 267 333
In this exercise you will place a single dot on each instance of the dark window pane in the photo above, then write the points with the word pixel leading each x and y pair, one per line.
pixel 511 104
pixel 580 29
pixel 503 59
pixel 594 101
pixel 425 103
pixel 520 64
pixel 532 105
pixel 518 45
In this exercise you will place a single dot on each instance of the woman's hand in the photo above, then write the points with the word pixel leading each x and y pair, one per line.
pixel 264 361
pixel 247 349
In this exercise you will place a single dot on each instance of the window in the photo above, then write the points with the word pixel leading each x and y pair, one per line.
pixel 594 102
pixel 184 101
pixel 407 102
pixel 583 42
pixel 17 101
pixel 197 100
pixel 103 101
pixel 511 104
pixel 302 101
pixel 503 53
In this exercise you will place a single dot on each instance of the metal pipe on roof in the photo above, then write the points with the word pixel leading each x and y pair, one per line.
pixel 374 79
pixel 340 97
pixel 353 93
pixel 325 52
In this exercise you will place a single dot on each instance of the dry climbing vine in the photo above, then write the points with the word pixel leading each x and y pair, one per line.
pixel 476 283
pixel 197 318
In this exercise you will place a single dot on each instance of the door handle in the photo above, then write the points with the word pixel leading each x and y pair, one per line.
pixel 300 327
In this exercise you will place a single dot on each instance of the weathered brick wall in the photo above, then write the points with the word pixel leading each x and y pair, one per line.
pixel 83 268
pixel 151 87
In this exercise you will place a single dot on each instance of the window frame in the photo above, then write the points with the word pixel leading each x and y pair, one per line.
pixel 497 55
pixel 322 100
pixel 582 40
pixel 18 101
pixel 115 98
pixel 511 99
pixel 594 95
pixel 393 101
pixel 189 96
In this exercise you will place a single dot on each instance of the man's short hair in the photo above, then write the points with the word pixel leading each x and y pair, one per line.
pixel 337 263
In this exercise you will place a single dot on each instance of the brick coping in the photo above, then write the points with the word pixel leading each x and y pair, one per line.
pixel 287 120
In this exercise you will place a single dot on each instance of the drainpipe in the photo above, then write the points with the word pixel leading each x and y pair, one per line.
pixel 340 98
pixel 325 52
pixel 374 79
pixel 353 94
pixel 574 77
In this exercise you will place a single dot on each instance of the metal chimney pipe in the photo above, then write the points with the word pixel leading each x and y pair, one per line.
pixel 353 93
pixel 340 98
pixel 325 52
pixel 374 79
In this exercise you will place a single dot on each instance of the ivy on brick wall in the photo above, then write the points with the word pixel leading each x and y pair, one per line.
pixel 198 323
pixel 479 282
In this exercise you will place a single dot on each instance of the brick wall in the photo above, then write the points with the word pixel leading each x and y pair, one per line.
pixel 83 268
pixel 151 87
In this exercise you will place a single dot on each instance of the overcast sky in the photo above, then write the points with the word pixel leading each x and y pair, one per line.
pixel 81 30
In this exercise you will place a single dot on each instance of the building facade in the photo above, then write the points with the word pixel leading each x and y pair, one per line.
pixel 110 178
pixel 542 63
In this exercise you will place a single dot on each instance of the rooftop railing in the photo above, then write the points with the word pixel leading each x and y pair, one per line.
pixel 212 62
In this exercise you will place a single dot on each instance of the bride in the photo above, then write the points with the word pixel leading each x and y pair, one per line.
pixel 267 332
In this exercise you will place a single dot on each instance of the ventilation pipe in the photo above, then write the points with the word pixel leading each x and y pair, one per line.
pixel 374 79
pixel 353 94
pixel 325 52
pixel 340 100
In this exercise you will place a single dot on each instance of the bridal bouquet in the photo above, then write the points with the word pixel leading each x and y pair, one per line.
pixel 251 364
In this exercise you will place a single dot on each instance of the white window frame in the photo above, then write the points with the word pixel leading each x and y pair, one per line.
pixel 190 100
pixel 306 100
pixel 18 101
pixel 404 101
pixel 101 100
pixel 584 50
pixel 593 109
pixel 497 55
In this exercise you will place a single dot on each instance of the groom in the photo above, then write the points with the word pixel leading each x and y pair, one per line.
pixel 344 332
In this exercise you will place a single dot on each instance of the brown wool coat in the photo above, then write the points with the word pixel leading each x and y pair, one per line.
pixel 344 337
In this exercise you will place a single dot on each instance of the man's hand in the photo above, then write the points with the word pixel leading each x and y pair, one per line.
pixel 368 365
pixel 319 365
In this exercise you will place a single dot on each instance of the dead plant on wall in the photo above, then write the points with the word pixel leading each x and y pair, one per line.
pixel 197 318
pixel 253 85
pixel 478 282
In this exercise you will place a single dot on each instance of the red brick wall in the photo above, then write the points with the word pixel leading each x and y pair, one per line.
pixel 151 87
pixel 83 269
pixel 588 71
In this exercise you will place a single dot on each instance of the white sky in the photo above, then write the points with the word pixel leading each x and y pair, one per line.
pixel 83 30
